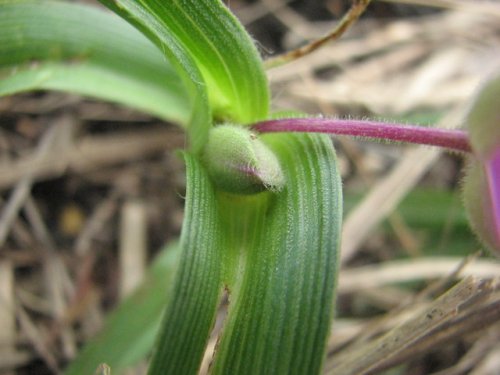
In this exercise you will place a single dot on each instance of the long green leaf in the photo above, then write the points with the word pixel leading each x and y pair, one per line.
pixel 75 48
pixel 139 14
pixel 129 332
pixel 190 316
pixel 285 247
pixel 213 53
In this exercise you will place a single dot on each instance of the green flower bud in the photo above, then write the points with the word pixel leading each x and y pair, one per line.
pixel 482 181
pixel 483 120
pixel 239 162
pixel 479 206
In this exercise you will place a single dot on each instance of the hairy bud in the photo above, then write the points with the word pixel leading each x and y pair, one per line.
pixel 482 182
pixel 480 207
pixel 239 162
pixel 484 120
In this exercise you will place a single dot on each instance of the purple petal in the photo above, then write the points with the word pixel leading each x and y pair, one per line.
pixel 493 173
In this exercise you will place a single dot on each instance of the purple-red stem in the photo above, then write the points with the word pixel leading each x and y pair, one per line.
pixel 457 140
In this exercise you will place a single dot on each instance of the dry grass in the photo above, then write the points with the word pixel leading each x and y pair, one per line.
pixel 71 168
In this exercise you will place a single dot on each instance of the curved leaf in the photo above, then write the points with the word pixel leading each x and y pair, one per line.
pixel 75 48
pixel 205 33
pixel 287 256
pixel 190 315
pixel 276 253
pixel 139 14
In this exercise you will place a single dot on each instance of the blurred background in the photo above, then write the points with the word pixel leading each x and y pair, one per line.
pixel 91 192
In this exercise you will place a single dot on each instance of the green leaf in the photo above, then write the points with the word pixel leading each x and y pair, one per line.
pixel 275 252
pixel 139 14
pixel 282 277
pixel 212 52
pixel 62 46
pixel 129 332
pixel 190 315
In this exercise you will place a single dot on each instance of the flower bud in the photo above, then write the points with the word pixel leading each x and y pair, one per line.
pixel 480 206
pixel 483 120
pixel 482 182
pixel 239 162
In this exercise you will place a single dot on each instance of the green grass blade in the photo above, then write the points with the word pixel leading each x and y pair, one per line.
pixel 62 46
pixel 129 332
pixel 219 46
pixel 147 21
pixel 285 247
pixel 190 316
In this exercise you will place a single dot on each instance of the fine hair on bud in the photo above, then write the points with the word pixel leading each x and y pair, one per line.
pixel 239 162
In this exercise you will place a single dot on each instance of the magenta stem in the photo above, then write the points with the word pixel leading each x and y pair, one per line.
pixel 452 139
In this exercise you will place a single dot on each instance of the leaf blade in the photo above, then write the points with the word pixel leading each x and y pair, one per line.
pixel 205 34
pixel 228 59
pixel 60 46
pixel 283 305
pixel 190 316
